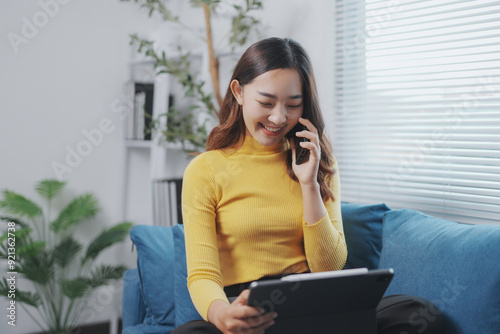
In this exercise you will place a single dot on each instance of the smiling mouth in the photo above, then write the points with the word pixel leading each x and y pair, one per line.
pixel 272 130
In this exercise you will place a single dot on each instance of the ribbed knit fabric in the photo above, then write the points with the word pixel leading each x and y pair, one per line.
pixel 243 220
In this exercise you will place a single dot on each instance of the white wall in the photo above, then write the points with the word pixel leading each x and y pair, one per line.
pixel 61 82
pixel 64 79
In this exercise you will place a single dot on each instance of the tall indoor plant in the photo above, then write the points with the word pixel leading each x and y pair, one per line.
pixel 41 247
pixel 183 126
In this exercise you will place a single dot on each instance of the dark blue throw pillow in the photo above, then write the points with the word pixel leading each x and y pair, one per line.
pixel 363 234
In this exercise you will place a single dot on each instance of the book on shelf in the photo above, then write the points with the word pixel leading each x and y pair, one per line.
pixel 139 112
pixel 167 209
pixel 139 123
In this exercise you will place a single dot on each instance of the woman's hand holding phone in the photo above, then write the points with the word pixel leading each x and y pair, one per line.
pixel 307 173
pixel 306 153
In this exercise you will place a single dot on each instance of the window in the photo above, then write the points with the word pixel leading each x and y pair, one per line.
pixel 417 121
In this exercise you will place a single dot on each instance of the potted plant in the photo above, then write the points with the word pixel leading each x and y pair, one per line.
pixel 184 126
pixel 40 246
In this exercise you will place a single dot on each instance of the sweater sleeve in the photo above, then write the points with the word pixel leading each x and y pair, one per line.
pixel 199 200
pixel 324 241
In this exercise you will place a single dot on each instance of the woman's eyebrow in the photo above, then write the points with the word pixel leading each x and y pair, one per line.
pixel 293 97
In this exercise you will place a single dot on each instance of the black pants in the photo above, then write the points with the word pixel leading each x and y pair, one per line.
pixel 401 314
pixel 396 314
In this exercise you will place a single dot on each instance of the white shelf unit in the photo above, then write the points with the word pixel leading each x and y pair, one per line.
pixel 147 160
pixel 167 160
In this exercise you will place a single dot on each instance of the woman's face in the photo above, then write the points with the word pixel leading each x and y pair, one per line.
pixel 272 104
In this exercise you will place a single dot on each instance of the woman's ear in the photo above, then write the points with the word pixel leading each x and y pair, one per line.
pixel 237 92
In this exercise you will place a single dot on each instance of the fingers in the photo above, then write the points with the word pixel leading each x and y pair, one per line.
pixel 260 325
pixel 308 124
pixel 312 135
pixel 244 311
pixel 242 318
pixel 251 325
pixel 243 297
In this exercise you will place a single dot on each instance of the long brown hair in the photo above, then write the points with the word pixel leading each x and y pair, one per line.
pixel 267 55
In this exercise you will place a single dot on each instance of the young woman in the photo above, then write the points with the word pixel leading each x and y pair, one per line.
pixel 250 211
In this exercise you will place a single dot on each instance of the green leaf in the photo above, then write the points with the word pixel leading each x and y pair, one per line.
pixel 107 238
pixel 75 288
pixel 30 249
pixel 22 233
pixel 14 220
pixel 66 251
pixel 28 298
pixel 17 204
pixel 48 189
pixel 106 273
pixel 83 207
pixel 38 268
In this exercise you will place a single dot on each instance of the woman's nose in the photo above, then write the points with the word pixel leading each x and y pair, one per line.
pixel 278 115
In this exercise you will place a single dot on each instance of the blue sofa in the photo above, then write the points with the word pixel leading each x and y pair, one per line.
pixel 456 266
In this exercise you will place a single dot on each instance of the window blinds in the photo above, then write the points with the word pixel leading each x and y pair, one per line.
pixel 417 119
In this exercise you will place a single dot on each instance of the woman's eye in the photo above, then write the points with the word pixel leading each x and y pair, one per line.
pixel 269 105
pixel 265 104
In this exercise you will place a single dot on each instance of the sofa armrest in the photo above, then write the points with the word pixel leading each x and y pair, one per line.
pixel 133 307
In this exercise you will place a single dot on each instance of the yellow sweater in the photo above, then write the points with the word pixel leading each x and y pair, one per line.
pixel 243 220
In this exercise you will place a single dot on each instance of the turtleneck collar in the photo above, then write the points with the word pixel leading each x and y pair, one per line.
pixel 252 146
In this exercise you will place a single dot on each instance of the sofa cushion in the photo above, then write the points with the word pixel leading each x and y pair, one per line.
pixel 155 262
pixel 184 308
pixel 133 308
pixel 363 233
pixel 456 266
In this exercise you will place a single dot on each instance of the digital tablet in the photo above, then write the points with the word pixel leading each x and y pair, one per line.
pixel 344 299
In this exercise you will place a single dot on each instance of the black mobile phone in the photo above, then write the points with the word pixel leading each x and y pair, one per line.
pixel 301 153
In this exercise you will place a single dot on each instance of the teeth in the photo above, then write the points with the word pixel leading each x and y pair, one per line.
pixel 272 129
